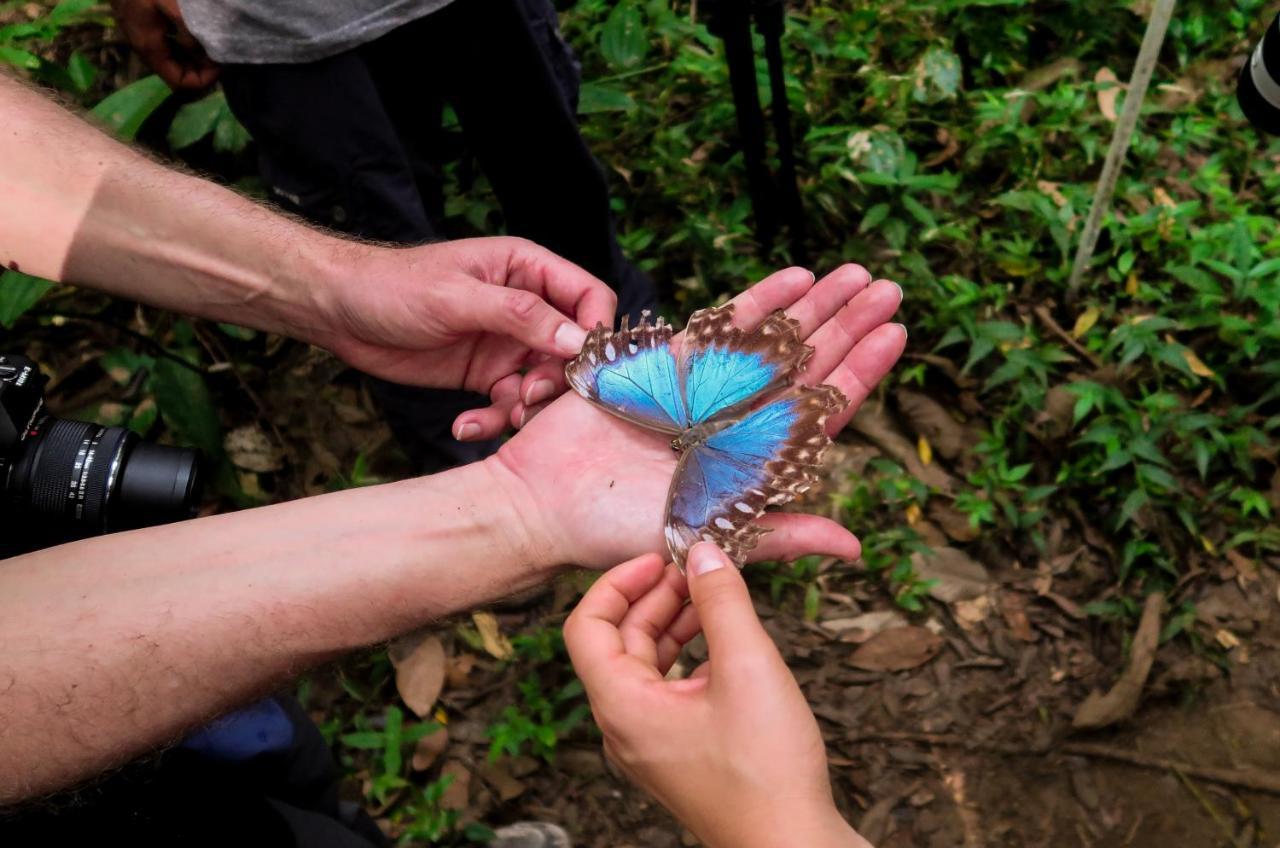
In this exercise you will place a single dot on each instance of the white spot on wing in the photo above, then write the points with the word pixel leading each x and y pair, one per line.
pixel 724 523
pixel 610 352
pixel 743 506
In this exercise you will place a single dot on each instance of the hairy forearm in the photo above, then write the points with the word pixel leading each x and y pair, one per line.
pixel 101 215
pixel 114 646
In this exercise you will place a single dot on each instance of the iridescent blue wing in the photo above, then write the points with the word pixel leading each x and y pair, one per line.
pixel 724 369
pixel 631 373
pixel 768 458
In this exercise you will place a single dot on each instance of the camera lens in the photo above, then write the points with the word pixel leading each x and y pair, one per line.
pixel 1258 90
pixel 99 479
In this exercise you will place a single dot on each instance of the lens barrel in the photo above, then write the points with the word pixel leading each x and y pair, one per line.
pixel 1258 90
pixel 92 479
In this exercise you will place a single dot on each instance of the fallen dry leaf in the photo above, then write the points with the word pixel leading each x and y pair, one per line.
pixel 1085 322
pixel 1107 94
pixel 862 627
pixel 897 649
pixel 1101 710
pixel 972 612
pixel 419 663
pixel 933 424
pixel 1013 607
pixel 958 576
pixel 924 449
pixel 249 448
pixel 872 422
pixel 502 780
pixel 429 749
pixel 497 645
pixel 1196 364
pixel 458 669
pixel 457 793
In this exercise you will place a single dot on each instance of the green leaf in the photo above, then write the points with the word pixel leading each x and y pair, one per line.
pixel 125 111
pixel 595 97
pixel 874 216
pixel 229 135
pixel 81 72
pixel 623 40
pixel 187 406
pixel 365 740
pixel 18 293
pixel 19 58
pixel 196 120
pixel 1136 500
pixel 937 76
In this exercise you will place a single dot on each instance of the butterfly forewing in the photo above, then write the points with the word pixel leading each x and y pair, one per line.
pixel 725 369
pixel 631 373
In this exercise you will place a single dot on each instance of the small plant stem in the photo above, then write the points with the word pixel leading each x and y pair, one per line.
pixel 1148 53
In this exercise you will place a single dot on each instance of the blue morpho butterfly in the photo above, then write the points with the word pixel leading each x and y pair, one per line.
pixel 738 453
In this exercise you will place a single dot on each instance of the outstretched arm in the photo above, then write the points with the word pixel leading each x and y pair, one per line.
pixel 113 646
pixel 79 207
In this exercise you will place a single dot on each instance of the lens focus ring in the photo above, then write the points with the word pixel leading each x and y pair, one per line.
pixel 56 470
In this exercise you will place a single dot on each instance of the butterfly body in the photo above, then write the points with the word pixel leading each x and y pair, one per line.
pixel 738 453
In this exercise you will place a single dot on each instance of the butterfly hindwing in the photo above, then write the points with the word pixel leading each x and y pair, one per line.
pixel 631 373
pixel 768 458
pixel 724 368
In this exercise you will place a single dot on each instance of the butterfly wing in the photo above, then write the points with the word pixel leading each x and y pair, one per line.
pixel 723 368
pixel 768 458
pixel 631 373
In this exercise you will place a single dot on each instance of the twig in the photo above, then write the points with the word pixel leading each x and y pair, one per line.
pixel 1243 778
pixel 1142 69
pixel 1046 318
pixel 1209 808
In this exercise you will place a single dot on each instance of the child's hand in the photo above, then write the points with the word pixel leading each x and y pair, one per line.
pixel 733 750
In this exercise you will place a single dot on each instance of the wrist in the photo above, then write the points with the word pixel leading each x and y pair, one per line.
pixel 790 822
pixel 520 526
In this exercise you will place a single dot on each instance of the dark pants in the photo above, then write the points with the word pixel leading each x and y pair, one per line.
pixel 354 142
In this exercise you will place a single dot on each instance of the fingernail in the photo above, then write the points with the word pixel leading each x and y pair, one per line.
pixel 705 557
pixel 901 295
pixel 569 338
pixel 538 392
pixel 524 416
pixel 467 431
pixel 903 328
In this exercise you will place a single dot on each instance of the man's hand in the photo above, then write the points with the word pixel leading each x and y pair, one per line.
pixel 733 751
pixel 469 314
pixel 156 30
pixel 594 487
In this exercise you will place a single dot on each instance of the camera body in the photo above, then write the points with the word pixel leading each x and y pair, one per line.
pixel 62 479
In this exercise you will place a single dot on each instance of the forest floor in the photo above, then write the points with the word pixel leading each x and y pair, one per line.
pixel 954 730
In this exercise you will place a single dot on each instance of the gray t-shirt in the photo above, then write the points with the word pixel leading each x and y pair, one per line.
pixel 256 32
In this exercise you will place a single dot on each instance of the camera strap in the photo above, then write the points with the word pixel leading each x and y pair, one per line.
pixel 774 201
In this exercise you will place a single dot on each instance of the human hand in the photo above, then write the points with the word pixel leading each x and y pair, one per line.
pixel 469 314
pixel 156 29
pixel 733 751
pixel 595 486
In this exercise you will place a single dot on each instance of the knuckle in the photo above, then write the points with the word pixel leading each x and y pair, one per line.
pixel 522 306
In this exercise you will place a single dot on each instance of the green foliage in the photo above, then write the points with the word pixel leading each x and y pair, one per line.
pixel 547 710
pixel 953 146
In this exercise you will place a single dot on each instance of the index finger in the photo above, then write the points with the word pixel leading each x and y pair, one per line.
pixel 592 633
pixel 568 287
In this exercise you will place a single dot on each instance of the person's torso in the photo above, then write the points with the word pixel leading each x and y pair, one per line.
pixel 294 31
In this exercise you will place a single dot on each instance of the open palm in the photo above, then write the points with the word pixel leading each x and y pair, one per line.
pixel 600 483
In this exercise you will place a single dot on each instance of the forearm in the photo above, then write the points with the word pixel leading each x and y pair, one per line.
pixel 111 647
pixel 101 215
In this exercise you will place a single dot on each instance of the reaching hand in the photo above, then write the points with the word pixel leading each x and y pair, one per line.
pixel 468 314
pixel 733 751
pixel 595 486
pixel 156 29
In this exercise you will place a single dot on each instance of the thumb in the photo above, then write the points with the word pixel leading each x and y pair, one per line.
pixel 724 606
pixel 522 315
